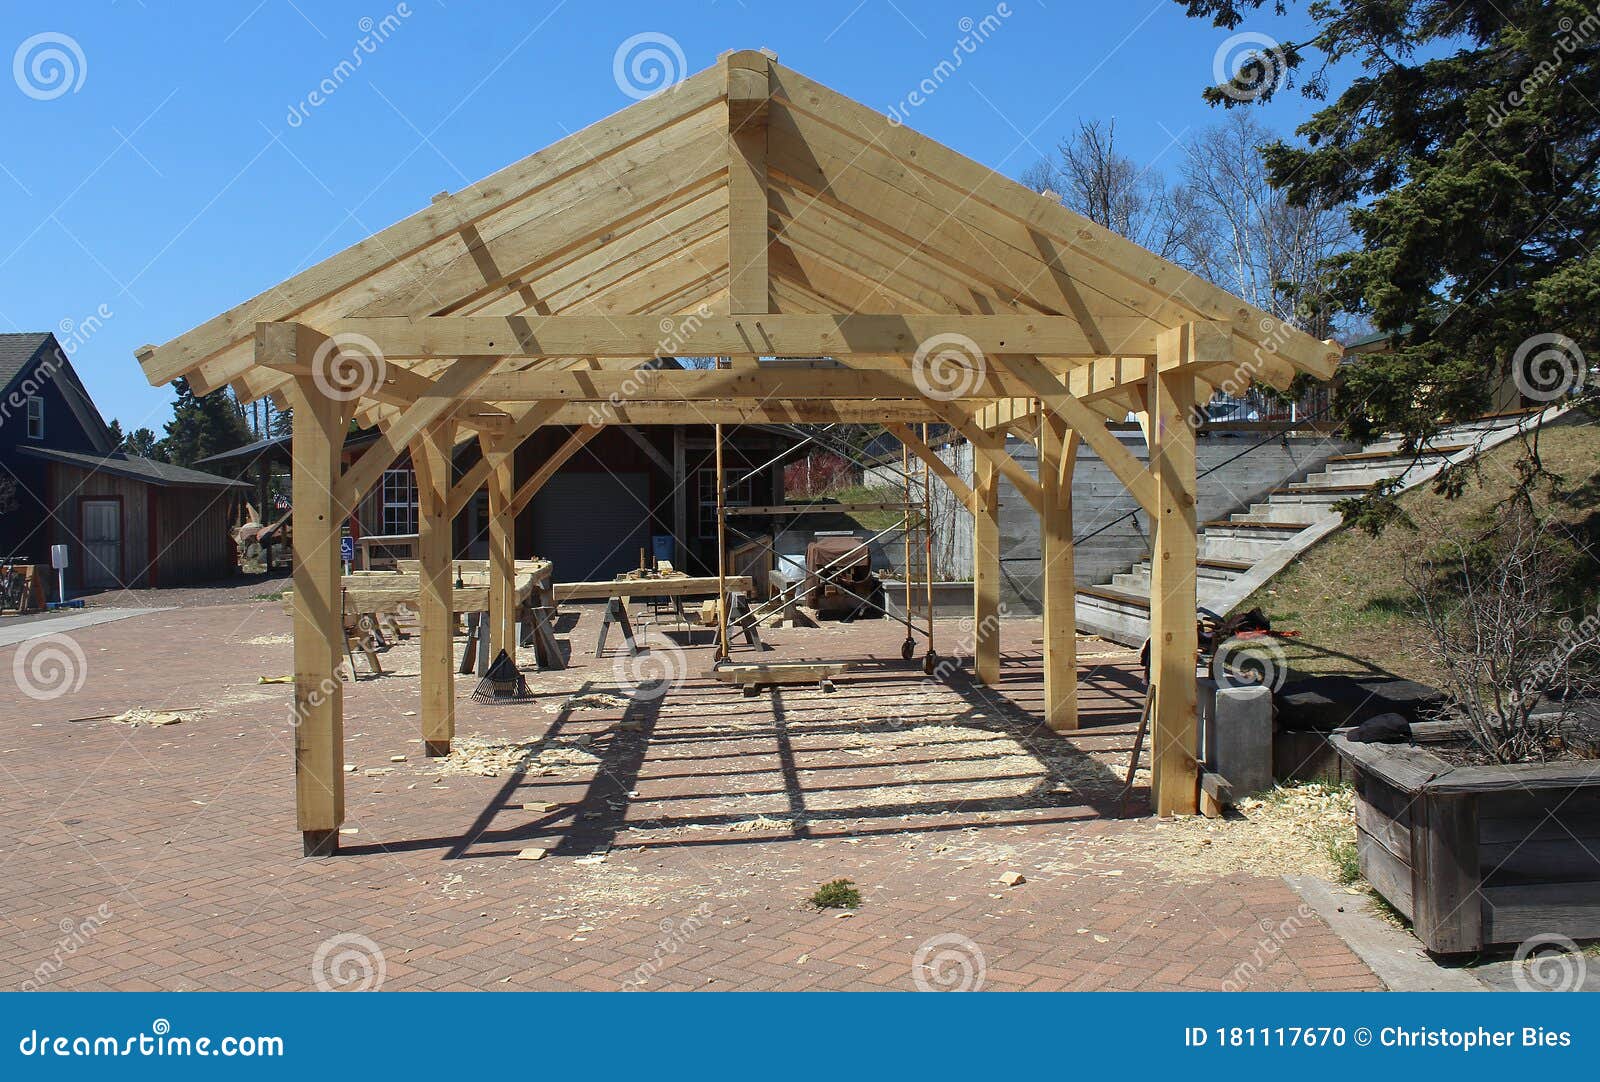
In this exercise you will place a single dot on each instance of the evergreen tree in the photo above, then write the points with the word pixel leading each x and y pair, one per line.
pixel 1469 144
pixel 203 425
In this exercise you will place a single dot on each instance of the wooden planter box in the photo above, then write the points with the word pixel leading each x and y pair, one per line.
pixel 1482 855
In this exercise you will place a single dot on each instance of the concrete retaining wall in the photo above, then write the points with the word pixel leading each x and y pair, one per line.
pixel 1110 540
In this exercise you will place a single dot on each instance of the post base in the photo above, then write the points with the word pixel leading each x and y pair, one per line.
pixel 320 843
pixel 436 749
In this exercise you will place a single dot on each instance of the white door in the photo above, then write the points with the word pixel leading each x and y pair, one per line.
pixel 102 543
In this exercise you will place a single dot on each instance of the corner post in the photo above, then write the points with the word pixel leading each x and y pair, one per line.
pixel 986 569
pixel 431 458
pixel 1174 645
pixel 502 548
pixel 1058 454
pixel 318 718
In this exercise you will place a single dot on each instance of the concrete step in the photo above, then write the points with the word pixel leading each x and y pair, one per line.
pixel 1245 529
pixel 1214 570
pixel 1288 509
pixel 1369 466
pixel 1467 432
pixel 1248 549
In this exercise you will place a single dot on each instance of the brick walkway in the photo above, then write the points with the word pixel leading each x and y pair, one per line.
pixel 684 832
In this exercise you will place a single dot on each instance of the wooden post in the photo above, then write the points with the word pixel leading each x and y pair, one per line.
pixel 1058 453
pixel 722 555
pixel 986 568
pixel 431 458
pixel 1173 643
pixel 502 550
pixel 680 499
pixel 319 428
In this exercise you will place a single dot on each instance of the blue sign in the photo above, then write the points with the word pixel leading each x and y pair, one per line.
pixel 347 549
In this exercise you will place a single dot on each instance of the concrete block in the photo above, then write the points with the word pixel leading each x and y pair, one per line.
pixel 1241 738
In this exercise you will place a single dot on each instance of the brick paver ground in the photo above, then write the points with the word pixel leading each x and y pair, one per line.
pixel 684 831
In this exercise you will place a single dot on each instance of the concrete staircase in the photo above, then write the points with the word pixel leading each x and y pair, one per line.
pixel 1242 552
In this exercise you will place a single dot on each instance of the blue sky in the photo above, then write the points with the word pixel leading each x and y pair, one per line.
pixel 168 182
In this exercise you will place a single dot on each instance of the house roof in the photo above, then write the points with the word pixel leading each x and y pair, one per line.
pixel 275 447
pixel 148 470
pixel 16 350
pixel 18 353
pixel 750 188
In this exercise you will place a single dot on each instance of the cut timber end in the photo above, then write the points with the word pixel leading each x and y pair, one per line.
pixel 781 672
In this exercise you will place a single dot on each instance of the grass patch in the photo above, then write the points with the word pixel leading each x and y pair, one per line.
pixel 275 596
pixel 871 520
pixel 1346 859
pixel 1348 599
pixel 836 894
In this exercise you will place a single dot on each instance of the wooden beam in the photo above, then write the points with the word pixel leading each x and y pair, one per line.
pixel 431 459
pixel 547 469
pixel 1118 459
pixel 501 456
pixel 1173 642
pixel 676 586
pixel 992 446
pixel 986 571
pixel 442 397
pixel 940 468
pixel 402 337
pixel 319 430
pixel 1058 451
pixel 472 480
pixel 745 411
pixel 749 95
pixel 444 225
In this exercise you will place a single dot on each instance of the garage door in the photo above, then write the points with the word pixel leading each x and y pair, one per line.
pixel 591 524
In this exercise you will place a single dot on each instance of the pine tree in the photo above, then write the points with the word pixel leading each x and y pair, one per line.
pixel 203 425
pixel 1469 143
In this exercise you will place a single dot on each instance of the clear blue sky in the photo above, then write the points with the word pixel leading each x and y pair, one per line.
pixel 170 184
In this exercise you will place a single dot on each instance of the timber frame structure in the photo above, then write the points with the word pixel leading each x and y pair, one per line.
pixel 751 214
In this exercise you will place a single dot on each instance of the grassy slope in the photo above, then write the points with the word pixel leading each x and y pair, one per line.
pixel 1348 598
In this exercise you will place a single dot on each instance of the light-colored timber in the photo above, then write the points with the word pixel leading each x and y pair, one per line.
pixel 849 269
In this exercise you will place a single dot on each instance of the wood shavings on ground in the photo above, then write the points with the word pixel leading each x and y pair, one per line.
pixel 1287 831
pixel 760 822
pixel 140 717
pixel 592 700
pixel 270 640
pixel 491 758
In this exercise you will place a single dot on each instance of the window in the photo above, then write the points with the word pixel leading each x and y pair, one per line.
pixel 740 494
pixel 399 502
pixel 36 418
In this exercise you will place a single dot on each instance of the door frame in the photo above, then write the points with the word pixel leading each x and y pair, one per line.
pixel 122 539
